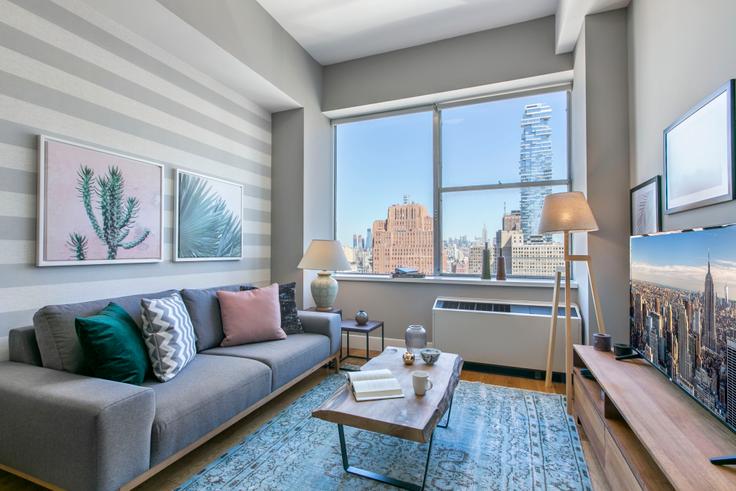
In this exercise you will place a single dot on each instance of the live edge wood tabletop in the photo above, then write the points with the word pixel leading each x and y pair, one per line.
pixel 411 417
pixel 639 421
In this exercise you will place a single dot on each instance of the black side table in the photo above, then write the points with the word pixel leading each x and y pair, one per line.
pixel 349 325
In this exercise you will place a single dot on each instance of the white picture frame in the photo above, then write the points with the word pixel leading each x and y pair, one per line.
pixel 700 154
pixel 230 195
pixel 48 237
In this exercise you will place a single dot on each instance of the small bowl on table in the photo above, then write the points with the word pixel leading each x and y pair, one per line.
pixel 430 355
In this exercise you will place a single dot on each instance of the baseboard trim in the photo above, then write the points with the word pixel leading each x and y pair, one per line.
pixel 529 373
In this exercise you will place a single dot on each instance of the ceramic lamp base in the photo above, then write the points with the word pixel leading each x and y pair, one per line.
pixel 324 291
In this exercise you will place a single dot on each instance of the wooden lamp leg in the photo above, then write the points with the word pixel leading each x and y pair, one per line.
pixel 552 332
pixel 568 325
pixel 596 298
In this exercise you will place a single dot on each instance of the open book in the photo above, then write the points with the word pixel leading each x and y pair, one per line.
pixel 371 385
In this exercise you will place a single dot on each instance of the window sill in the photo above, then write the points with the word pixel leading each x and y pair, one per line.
pixel 449 280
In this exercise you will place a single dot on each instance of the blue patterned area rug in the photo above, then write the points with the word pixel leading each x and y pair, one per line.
pixel 498 439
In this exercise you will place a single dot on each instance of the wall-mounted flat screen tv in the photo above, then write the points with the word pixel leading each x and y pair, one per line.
pixel 683 317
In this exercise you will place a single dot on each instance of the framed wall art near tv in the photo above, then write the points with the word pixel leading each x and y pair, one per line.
pixel 208 218
pixel 646 207
pixel 97 206
pixel 699 154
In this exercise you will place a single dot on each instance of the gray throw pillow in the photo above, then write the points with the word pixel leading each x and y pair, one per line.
pixel 169 335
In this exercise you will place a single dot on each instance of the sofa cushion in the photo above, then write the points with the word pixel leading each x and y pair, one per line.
pixel 205 394
pixel 204 310
pixel 23 347
pixel 290 322
pixel 251 316
pixel 288 358
pixel 113 346
pixel 168 334
pixel 57 336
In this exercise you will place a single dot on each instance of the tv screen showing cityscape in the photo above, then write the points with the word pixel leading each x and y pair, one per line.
pixel 683 320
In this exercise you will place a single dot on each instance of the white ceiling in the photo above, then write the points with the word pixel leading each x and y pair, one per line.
pixel 338 30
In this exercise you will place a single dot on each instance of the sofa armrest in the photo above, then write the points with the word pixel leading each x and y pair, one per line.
pixel 73 431
pixel 325 323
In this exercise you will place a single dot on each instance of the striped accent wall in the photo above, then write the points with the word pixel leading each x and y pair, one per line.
pixel 68 72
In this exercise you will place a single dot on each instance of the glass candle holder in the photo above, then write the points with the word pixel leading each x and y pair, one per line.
pixel 415 338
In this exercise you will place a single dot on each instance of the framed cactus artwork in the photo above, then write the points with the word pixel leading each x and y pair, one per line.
pixel 208 220
pixel 97 206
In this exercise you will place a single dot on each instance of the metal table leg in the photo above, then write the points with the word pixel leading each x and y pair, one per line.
pixel 382 330
pixel 367 347
pixel 381 477
pixel 449 412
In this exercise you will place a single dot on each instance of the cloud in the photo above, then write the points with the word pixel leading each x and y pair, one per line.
pixel 686 277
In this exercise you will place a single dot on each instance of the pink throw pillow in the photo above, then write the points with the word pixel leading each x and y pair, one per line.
pixel 251 316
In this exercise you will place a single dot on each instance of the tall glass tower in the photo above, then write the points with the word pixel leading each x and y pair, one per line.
pixel 709 311
pixel 535 164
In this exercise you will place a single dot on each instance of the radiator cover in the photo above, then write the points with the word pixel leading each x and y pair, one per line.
pixel 501 332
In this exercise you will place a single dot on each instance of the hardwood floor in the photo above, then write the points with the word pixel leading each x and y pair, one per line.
pixel 179 472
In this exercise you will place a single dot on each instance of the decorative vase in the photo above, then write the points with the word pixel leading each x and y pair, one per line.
pixel 486 268
pixel 415 338
pixel 500 268
pixel 361 317
pixel 324 291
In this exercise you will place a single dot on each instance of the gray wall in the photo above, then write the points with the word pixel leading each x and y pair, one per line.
pixel 497 55
pixel 601 165
pixel 248 32
pixel 679 52
pixel 65 76
pixel 402 304
pixel 288 196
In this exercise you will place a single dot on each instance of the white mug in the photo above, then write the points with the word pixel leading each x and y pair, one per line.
pixel 421 382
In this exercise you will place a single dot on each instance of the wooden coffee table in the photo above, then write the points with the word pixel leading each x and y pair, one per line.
pixel 411 418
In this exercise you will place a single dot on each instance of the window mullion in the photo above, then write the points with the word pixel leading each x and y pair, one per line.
pixel 437 190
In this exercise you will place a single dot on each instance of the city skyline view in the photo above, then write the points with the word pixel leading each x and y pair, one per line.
pixel 683 319
pixel 476 140
pixel 379 161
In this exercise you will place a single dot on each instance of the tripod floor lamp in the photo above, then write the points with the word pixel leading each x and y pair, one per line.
pixel 568 213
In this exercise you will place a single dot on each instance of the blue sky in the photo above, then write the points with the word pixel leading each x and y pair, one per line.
pixel 380 160
pixel 680 259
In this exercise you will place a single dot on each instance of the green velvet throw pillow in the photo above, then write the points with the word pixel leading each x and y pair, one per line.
pixel 113 345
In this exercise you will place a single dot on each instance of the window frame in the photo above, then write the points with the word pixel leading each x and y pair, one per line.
pixel 437 188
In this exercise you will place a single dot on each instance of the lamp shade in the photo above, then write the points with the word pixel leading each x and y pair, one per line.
pixel 566 212
pixel 325 255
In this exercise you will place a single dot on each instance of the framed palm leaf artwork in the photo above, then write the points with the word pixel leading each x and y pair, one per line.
pixel 208 218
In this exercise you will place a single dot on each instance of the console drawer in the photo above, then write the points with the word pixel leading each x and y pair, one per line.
pixel 617 470
pixel 589 418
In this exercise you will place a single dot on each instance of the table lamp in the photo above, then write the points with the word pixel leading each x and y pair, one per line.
pixel 568 213
pixel 325 256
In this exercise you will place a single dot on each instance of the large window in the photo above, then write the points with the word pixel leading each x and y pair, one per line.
pixel 431 189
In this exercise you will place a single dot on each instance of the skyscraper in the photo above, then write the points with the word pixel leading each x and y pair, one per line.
pixel 404 239
pixel 368 239
pixel 709 311
pixel 731 382
pixel 535 164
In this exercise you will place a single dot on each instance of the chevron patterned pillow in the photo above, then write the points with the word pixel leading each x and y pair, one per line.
pixel 169 335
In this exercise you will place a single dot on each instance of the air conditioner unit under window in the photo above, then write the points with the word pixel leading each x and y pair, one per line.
pixel 501 332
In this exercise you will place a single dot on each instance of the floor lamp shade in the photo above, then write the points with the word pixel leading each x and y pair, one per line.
pixel 566 212
pixel 325 256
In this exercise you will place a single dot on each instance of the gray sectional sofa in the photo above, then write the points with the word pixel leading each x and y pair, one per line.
pixel 61 427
